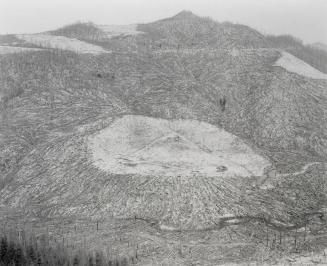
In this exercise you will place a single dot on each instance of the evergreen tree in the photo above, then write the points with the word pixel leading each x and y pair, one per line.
pixel 76 261
pixel 91 260
pixel 98 259
pixel 39 259
pixel 3 250
pixel 31 253
pixel 11 253
pixel 18 259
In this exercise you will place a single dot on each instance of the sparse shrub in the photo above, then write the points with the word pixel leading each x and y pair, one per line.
pixel 39 259
pixel 3 250
pixel 76 261
pixel 124 262
pixel 31 256
pixel 91 262
pixel 98 259
pixel 11 253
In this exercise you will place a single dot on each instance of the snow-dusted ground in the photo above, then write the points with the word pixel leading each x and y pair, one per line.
pixel 4 49
pixel 116 30
pixel 267 183
pixel 296 65
pixel 61 42
pixel 149 146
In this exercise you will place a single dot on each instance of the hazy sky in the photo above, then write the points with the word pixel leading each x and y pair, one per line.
pixel 306 19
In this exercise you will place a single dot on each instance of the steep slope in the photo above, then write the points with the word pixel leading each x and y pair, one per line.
pixel 59 178
pixel 188 30
pixel 295 65
pixel 183 67
pixel 312 55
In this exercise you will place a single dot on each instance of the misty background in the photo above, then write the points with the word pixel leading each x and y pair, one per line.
pixel 305 19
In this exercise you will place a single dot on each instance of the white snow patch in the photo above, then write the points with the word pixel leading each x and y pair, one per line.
pixel 6 49
pixel 235 52
pixel 164 227
pixel 116 30
pixel 61 42
pixel 150 146
pixel 296 65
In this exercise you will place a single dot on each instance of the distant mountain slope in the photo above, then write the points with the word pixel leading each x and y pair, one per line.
pixel 82 31
pixel 120 30
pixel 182 31
pixel 320 45
pixel 188 30
pixel 295 65
pixel 314 56
pixel 61 42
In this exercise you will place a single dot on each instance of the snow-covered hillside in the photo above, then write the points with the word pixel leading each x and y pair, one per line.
pixel 4 49
pixel 296 65
pixel 61 42
pixel 149 146
pixel 116 30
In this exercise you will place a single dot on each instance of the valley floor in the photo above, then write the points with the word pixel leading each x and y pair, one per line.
pixel 143 243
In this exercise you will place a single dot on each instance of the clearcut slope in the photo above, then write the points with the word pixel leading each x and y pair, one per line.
pixel 148 146
pixel 164 74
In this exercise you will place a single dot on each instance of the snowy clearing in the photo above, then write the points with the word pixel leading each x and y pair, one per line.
pixel 296 65
pixel 61 42
pixel 149 146
pixel 268 183
pixel 4 49
pixel 116 30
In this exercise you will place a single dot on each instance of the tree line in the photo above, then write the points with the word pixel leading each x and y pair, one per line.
pixel 17 251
